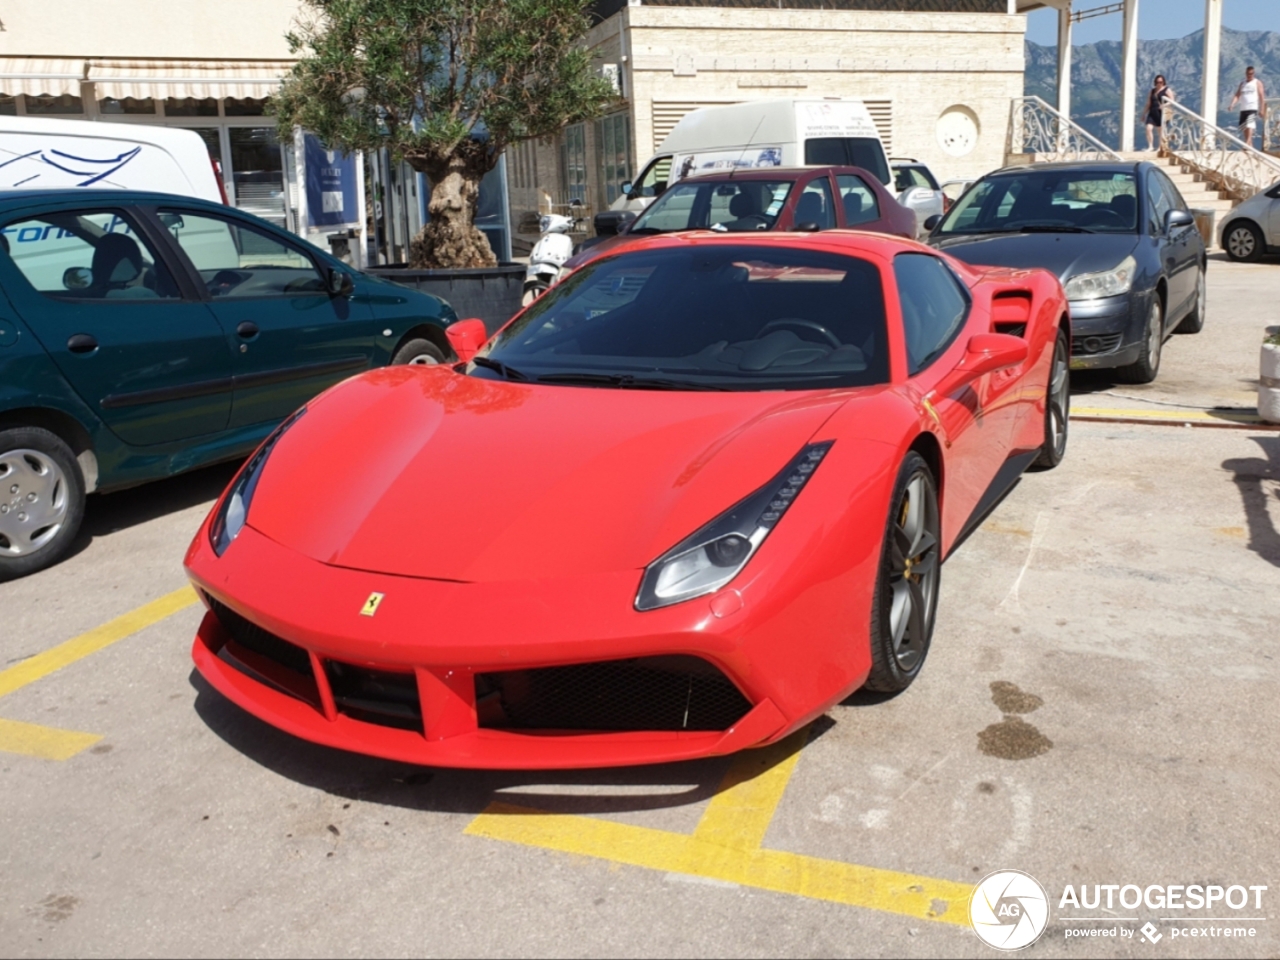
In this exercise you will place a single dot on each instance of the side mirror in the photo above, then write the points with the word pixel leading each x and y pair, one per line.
pixel 1178 220
pixel 931 223
pixel 467 337
pixel 988 352
pixel 626 188
pixel 339 282
pixel 77 278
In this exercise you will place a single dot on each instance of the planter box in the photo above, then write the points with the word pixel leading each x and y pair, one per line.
pixel 491 294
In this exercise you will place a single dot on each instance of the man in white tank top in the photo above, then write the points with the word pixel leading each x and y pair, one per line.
pixel 1252 97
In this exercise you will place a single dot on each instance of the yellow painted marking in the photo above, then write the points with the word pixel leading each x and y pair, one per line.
pixel 33 740
pixel 1190 416
pixel 371 605
pixel 726 845
pixel 37 741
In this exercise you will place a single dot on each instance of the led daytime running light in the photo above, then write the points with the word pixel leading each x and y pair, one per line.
pixel 233 512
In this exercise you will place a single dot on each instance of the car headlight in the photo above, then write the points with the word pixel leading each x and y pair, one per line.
pixel 233 512
pixel 714 555
pixel 1108 283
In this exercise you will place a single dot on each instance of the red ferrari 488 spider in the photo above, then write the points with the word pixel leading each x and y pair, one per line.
pixel 679 506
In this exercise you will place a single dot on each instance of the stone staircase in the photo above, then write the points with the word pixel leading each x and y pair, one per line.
pixel 1198 194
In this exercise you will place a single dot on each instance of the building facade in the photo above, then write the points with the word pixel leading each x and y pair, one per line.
pixel 937 75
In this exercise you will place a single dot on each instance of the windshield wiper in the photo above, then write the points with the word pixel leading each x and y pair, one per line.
pixel 511 373
pixel 637 231
pixel 1049 228
pixel 626 380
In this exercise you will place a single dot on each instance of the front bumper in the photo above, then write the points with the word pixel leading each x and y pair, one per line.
pixel 437 642
pixel 1106 332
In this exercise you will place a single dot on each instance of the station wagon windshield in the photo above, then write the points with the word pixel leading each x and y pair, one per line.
pixel 737 205
pixel 1048 202
pixel 722 317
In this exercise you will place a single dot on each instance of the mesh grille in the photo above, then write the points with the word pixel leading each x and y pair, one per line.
pixel 375 696
pixel 1088 345
pixel 253 637
pixel 647 693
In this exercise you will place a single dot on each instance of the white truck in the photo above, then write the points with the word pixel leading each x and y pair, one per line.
pixel 763 133
pixel 39 153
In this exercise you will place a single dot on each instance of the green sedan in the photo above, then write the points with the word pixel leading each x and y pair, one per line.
pixel 142 335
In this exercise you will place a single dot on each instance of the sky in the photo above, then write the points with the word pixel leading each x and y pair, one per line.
pixel 1157 20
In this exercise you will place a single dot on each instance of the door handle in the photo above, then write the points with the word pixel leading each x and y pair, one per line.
pixel 248 330
pixel 82 343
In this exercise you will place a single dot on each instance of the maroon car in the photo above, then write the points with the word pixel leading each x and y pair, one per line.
pixel 767 198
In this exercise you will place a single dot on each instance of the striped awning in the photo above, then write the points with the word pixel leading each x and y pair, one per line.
pixel 40 76
pixel 118 79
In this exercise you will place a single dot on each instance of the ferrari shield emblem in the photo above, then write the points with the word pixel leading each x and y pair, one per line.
pixel 371 605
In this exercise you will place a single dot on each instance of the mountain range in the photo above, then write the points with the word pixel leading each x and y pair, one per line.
pixel 1096 70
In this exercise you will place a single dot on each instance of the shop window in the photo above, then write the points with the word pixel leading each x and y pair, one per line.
pixel 573 162
pixel 54 106
pixel 257 172
pixel 8 106
pixel 212 141
pixel 247 107
pixel 128 106
pixel 191 107
pixel 613 147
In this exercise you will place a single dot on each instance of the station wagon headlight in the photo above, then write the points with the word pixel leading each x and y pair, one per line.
pixel 714 555
pixel 1109 283
pixel 233 512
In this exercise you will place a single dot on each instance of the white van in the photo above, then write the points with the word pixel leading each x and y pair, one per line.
pixel 762 133
pixel 37 153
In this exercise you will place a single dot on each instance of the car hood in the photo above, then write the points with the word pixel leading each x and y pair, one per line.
pixel 1065 254
pixel 423 472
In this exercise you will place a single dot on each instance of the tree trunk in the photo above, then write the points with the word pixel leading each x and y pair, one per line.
pixel 451 239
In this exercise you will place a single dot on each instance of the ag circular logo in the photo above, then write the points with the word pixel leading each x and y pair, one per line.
pixel 1009 910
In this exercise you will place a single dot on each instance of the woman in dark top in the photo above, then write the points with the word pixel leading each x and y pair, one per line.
pixel 1160 92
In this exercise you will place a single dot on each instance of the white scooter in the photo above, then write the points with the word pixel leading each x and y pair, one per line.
pixel 553 248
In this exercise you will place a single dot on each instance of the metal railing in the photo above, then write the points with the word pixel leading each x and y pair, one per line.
pixel 1217 155
pixel 1039 129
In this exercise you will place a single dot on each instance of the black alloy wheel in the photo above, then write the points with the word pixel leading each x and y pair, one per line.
pixel 1147 366
pixel 1057 407
pixel 1193 322
pixel 906 598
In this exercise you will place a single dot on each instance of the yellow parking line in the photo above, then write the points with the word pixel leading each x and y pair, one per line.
pixel 64 654
pixel 33 740
pixel 726 845
pixel 1190 416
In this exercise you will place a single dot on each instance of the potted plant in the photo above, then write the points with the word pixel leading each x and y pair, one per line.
pixel 447 86
pixel 1269 377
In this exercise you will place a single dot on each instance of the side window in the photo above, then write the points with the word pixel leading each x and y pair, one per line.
pixel 1172 192
pixel 815 205
pixel 88 255
pixel 238 261
pixel 654 180
pixel 859 201
pixel 933 307
pixel 1157 204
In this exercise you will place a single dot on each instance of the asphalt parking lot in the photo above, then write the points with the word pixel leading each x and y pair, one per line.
pixel 1098 708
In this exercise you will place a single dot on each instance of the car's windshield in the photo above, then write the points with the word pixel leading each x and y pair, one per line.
pixel 1048 201
pixel 730 317
pixel 716 205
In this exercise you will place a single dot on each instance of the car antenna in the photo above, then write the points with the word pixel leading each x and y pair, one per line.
pixel 750 139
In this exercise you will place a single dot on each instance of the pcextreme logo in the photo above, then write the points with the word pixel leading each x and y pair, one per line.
pixel 1009 910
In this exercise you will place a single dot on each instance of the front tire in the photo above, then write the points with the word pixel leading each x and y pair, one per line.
pixel 1057 409
pixel 41 500
pixel 1147 366
pixel 1193 322
pixel 906 597
pixel 1244 242
pixel 533 290
pixel 418 352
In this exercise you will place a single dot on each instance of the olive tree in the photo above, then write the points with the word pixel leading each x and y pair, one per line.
pixel 446 85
